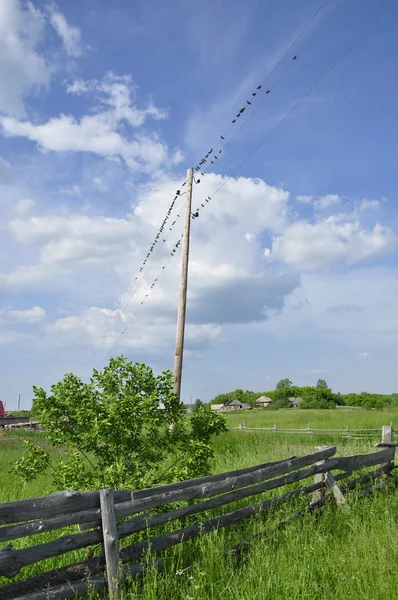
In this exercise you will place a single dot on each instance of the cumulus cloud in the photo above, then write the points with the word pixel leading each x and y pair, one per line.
pixel 364 354
pixel 371 318
pixel 70 35
pixel 24 206
pixel 312 246
pixel 73 190
pixel 369 205
pixel 28 316
pixel 325 202
pixel 317 372
pixel 22 66
pixel 103 132
pixel 320 202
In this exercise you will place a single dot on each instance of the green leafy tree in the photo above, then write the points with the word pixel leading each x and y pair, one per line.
pixel 284 384
pixel 321 384
pixel 125 428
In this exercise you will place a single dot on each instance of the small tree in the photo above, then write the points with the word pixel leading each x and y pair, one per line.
pixel 283 383
pixel 322 385
pixel 125 428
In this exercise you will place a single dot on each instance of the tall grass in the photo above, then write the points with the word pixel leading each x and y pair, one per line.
pixel 345 553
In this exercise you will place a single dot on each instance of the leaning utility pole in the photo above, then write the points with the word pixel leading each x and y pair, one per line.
pixel 182 300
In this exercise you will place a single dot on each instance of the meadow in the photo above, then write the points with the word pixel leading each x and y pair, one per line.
pixel 345 553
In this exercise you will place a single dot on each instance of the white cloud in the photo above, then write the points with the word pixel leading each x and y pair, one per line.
pixel 369 205
pixel 5 171
pixel 320 202
pixel 70 35
pixel 364 354
pixel 317 372
pixel 24 206
pixel 249 236
pixel 325 202
pixel 349 308
pixel 104 132
pixel 29 316
pixel 305 199
pixel 311 246
pixel 73 190
pixel 22 68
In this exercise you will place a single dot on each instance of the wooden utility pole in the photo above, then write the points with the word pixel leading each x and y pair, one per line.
pixel 19 404
pixel 182 301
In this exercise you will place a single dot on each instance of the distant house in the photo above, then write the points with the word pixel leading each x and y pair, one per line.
pixel 235 405
pixel 295 402
pixel 263 402
pixel 216 406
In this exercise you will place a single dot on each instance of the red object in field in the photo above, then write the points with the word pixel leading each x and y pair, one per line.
pixel 2 411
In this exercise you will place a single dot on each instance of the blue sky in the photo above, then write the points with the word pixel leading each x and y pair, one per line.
pixel 103 107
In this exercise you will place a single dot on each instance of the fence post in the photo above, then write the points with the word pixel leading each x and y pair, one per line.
pixel 347 430
pixel 337 493
pixel 386 434
pixel 111 540
pixel 319 495
pixel 275 427
pixel 244 424
pixel 309 428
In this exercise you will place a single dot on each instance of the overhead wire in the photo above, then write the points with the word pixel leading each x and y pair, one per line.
pixel 135 283
pixel 263 84
pixel 133 289
pixel 286 116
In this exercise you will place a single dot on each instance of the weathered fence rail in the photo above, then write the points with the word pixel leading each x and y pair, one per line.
pixel 108 516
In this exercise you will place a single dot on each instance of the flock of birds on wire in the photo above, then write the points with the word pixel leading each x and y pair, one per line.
pixel 209 159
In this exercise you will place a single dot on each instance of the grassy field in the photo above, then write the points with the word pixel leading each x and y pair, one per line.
pixel 346 553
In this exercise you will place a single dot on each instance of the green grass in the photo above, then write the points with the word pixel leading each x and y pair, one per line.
pixel 346 553
pixel 318 419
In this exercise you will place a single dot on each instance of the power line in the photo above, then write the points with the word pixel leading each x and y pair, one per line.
pixel 131 292
pixel 302 98
pixel 272 88
pixel 209 198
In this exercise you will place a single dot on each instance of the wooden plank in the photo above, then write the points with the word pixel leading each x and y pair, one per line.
pixel 230 483
pixel 143 522
pixel 12 532
pixel 83 587
pixel 213 488
pixel 360 461
pixel 12 561
pixel 176 537
pixel 55 577
pixel 180 485
pixel 111 541
pixel 59 503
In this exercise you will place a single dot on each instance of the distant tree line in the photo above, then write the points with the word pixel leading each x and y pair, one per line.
pixel 320 396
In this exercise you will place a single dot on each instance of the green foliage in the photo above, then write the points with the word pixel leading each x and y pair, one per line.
pixel 319 397
pixel 321 384
pixel 284 383
pixel 198 403
pixel 35 461
pixel 313 397
pixel 125 428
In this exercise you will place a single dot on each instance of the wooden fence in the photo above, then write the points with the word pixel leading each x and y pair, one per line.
pixel 107 516
pixel 347 432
